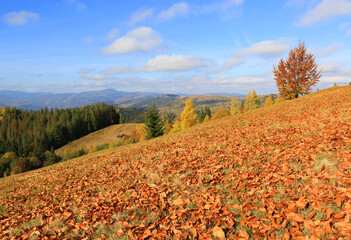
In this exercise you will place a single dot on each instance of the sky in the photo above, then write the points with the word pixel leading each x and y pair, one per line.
pixel 191 47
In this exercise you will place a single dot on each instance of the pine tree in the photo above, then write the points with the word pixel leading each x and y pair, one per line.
pixel 296 75
pixel 153 123
pixel 269 101
pixel 188 116
pixel 234 107
pixel 203 113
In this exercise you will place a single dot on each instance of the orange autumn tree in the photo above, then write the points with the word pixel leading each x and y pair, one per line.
pixel 296 75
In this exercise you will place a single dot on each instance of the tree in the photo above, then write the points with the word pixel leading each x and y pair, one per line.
pixel 177 127
pixel 279 99
pixel 296 75
pixel 269 101
pixel 222 112
pixel 188 117
pixel 153 123
pixel 252 102
pixel 140 132
pixel 234 107
pixel 203 113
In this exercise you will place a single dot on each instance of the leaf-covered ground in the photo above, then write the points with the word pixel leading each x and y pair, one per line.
pixel 282 172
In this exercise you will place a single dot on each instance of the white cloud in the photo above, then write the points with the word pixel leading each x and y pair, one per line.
pixel 180 8
pixel 112 34
pixel 96 77
pixel 238 80
pixel 86 70
pixel 266 49
pixel 326 9
pixel 138 40
pixel 20 18
pixel 163 63
pixel 331 49
pixel 336 79
pixel 80 6
pixel 229 64
pixel 226 9
pixel 174 63
pixel 140 15
pixel 118 69
pixel 331 66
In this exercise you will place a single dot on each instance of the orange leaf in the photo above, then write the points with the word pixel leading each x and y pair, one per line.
pixel 83 227
pixel 301 203
pixel 218 233
pixel 286 236
pixel 295 217
pixel 329 213
pixel 243 234
pixel 339 215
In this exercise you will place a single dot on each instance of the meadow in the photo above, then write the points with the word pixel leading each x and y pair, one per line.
pixel 280 172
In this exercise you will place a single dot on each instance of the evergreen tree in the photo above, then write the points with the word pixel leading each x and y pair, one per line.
pixel 203 113
pixel 188 116
pixel 153 123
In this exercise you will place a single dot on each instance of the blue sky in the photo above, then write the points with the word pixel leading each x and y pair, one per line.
pixel 167 46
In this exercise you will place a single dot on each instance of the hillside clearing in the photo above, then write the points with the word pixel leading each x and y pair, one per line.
pixel 104 136
pixel 249 176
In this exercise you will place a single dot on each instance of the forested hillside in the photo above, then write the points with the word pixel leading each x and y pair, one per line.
pixel 28 138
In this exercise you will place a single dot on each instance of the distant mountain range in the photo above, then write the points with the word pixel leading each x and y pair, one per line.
pixel 26 100
pixel 37 100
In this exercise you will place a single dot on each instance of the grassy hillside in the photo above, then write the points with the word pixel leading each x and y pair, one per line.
pixel 104 136
pixel 175 104
pixel 282 172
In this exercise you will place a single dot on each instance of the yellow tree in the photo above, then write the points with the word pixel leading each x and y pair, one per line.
pixel 188 117
pixel 140 133
pixel 222 112
pixel 269 101
pixel 252 102
pixel 279 99
pixel 248 102
pixel 255 101
pixel 177 127
pixel 234 108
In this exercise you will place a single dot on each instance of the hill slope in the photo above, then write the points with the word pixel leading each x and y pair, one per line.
pixel 175 104
pixel 104 136
pixel 255 175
